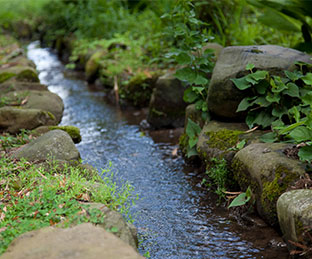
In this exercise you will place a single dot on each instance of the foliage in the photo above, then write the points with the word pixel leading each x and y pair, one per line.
pixel 192 131
pixel 288 15
pixel 284 103
pixel 34 196
pixel 242 199
pixel 8 141
pixel 189 36
pixel 218 175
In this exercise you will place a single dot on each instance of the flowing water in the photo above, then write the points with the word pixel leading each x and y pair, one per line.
pixel 175 217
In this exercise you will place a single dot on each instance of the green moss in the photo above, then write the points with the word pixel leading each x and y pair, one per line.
pixel 72 131
pixel 273 189
pixel 5 76
pixel 28 75
pixel 223 139
pixel 51 115
pixel 183 143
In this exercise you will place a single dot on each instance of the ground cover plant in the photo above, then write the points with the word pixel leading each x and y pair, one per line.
pixel 282 103
pixel 34 195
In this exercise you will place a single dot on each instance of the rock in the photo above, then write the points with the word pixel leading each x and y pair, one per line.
pixel 72 131
pixel 167 108
pixel 113 219
pixel 43 100
pixel 21 73
pixel 195 115
pixel 92 66
pixel 13 120
pixel 223 96
pixel 55 144
pixel 269 173
pixel 295 214
pixel 12 85
pixel 218 140
pixel 80 242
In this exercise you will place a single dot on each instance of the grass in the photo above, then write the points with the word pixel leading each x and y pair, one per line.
pixel 33 195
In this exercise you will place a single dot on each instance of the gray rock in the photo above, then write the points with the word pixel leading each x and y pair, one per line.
pixel 12 85
pixel 269 173
pixel 43 100
pixel 80 242
pixel 20 73
pixel 294 210
pixel 167 108
pixel 55 144
pixel 13 119
pixel 223 96
pixel 113 219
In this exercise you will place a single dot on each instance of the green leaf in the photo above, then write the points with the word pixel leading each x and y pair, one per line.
pixel 245 104
pixel 259 75
pixel 241 144
pixel 292 90
pixel 264 119
pixel 279 111
pixel 250 79
pixel 199 104
pixel 273 98
pixel 241 83
pixel 183 58
pixel 301 134
pixel 307 99
pixel 250 118
pixel 193 141
pixel 192 128
pixel 250 66
pixel 305 153
pixel 269 137
pixel 293 76
pixel 307 79
pixel 295 112
pixel 191 152
pixel 277 84
pixel 262 101
pixel 200 80
pixel 189 95
pixel 186 74
pixel 240 200
pixel 262 87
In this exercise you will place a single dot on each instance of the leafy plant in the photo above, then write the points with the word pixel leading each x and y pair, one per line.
pixel 192 131
pixel 284 103
pixel 190 35
pixel 218 175
pixel 242 199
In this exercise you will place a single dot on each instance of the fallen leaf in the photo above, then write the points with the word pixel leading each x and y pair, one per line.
pixel 174 152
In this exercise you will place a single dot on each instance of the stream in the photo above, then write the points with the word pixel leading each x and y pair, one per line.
pixel 175 216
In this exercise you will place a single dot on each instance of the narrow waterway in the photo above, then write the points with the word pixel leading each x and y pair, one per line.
pixel 175 217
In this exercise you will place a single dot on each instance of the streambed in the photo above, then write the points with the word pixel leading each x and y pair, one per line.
pixel 175 217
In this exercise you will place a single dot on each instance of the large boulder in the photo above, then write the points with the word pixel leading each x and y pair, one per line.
pixel 13 119
pixel 269 173
pixel 80 242
pixel 55 144
pixel 167 107
pixel 20 73
pixel 43 100
pixel 219 140
pixel 13 85
pixel 114 220
pixel 72 131
pixel 295 215
pixel 92 66
pixel 223 96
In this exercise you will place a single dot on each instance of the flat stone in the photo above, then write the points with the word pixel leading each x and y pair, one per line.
pixel 84 241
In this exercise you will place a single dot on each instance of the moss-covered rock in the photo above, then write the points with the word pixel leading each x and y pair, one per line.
pixel 14 119
pixel 294 209
pixel 72 131
pixel 269 173
pixel 167 107
pixel 43 100
pixel 55 144
pixel 218 140
pixel 92 66
pixel 138 89
pixel 21 73
pixel 13 85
